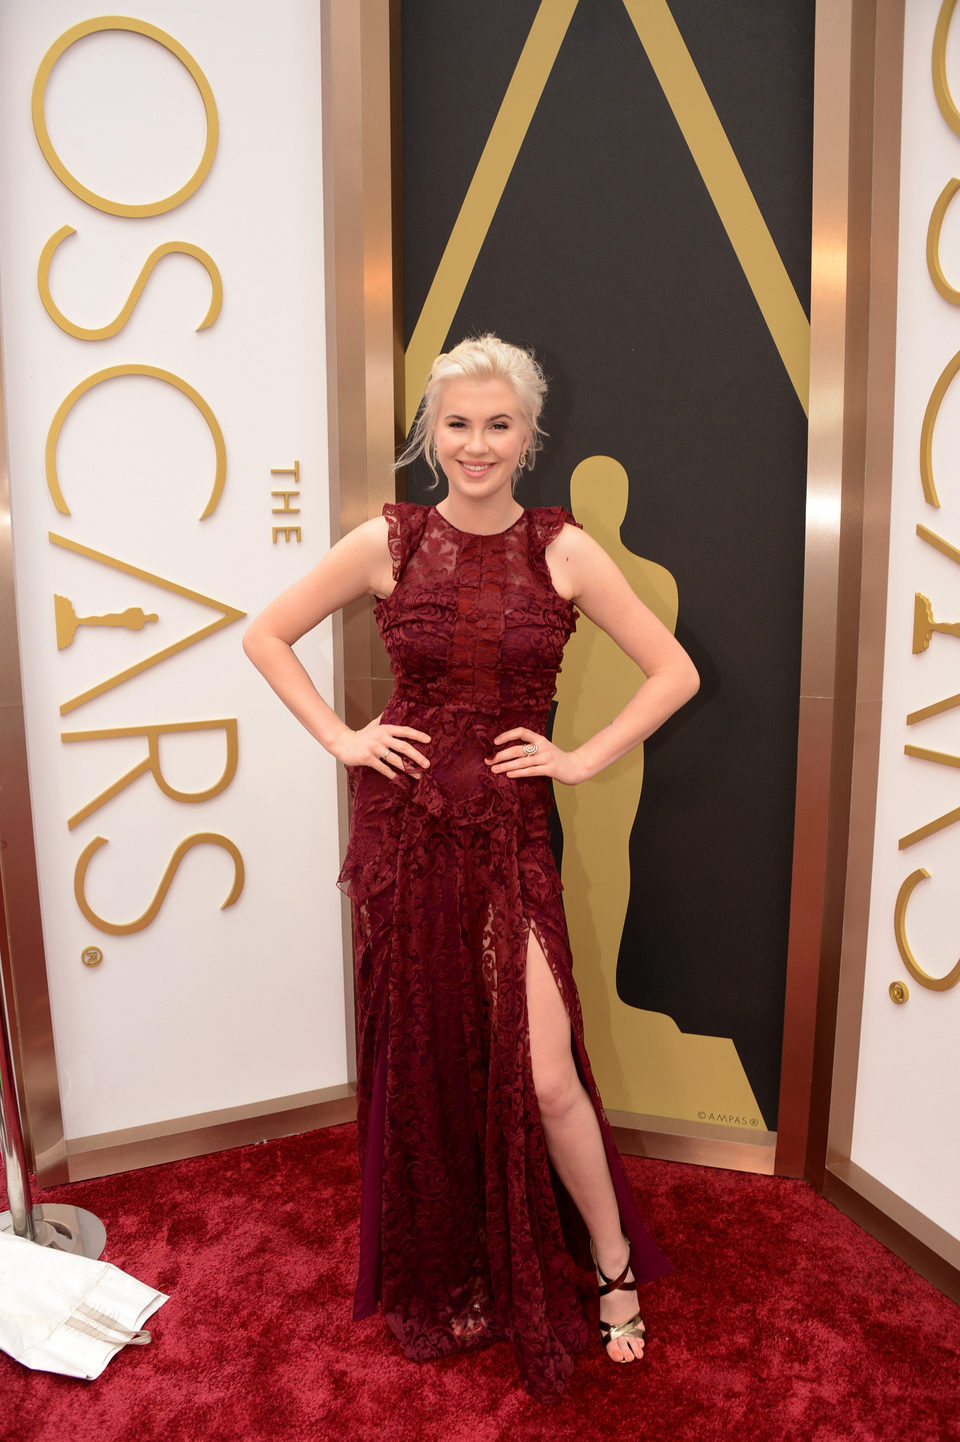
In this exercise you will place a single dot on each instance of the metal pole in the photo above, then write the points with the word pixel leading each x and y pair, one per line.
pixel 51 1224
pixel 68 1229
pixel 11 1139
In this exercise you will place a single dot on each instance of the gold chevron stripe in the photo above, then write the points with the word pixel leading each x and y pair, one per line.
pixel 480 203
pixel 711 151
pixel 718 165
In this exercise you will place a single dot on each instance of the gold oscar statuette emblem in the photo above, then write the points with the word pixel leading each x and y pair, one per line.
pixel 924 625
pixel 68 622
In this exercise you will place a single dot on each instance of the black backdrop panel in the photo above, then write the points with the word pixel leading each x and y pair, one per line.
pixel 607 255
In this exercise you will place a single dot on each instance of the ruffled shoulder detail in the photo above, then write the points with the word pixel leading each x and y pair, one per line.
pixel 543 526
pixel 405 523
pixel 546 523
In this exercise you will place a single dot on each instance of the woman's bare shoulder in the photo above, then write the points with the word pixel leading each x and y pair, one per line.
pixel 372 534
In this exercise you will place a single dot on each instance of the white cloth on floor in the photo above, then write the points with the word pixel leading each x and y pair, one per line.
pixel 65 1313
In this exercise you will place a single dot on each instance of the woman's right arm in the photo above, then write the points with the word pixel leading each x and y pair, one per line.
pixel 358 565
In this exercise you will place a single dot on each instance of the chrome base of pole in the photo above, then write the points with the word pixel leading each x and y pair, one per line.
pixel 64 1228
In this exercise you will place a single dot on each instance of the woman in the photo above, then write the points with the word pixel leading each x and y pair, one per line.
pixel 486 1157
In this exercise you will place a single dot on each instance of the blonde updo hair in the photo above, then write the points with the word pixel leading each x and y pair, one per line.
pixel 480 358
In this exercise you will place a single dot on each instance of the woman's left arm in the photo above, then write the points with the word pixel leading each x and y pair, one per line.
pixel 584 573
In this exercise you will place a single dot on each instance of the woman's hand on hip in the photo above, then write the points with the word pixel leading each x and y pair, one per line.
pixel 383 747
pixel 523 753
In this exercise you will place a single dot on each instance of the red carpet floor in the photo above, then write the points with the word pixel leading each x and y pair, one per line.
pixel 782 1321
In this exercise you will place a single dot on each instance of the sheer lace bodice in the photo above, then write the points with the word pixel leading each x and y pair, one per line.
pixel 474 621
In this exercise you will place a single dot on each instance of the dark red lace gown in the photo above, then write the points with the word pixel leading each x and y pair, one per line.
pixel 466 1233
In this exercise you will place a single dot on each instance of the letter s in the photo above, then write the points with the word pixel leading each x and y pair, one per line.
pixel 125 928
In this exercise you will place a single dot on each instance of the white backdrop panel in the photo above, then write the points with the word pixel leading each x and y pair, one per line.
pixel 204 1008
pixel 909 1061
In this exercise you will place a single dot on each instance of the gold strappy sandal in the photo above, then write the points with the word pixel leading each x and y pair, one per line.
pixel 632 1328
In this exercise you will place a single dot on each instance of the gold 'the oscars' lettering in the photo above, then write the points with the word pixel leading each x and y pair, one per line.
pixel 126 928
pixel 227 615
pixel 112 328
pixel 152 373
pixel 83 192
pixel 932 983
pixel 151 763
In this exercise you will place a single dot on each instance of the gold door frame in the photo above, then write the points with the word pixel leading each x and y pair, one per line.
pixel 849 128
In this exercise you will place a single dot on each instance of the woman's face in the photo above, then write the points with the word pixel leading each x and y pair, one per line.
pixel 479 436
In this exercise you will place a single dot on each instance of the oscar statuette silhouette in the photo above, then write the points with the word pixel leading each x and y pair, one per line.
pixel 643 1063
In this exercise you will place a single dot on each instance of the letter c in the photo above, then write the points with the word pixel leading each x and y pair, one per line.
pixel 155 373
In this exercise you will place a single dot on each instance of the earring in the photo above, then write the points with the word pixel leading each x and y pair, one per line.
pixel 523 459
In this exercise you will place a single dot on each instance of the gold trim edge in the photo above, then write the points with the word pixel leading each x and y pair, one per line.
pixel 702 1131
pixel 178 1138
pixel 902 1214
pixel 725 1153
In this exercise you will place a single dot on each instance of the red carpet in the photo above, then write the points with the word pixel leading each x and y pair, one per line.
pixel 782 1321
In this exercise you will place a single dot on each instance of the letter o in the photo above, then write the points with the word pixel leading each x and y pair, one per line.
pixel 938 65
pixel 152 32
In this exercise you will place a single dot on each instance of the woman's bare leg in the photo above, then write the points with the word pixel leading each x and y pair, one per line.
pixel 574 1140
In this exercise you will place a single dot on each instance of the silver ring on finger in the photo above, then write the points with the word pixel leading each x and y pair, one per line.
pixel 386 756
pixel 530 748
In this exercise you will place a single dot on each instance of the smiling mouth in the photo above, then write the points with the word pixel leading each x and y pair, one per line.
pixel 480 470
